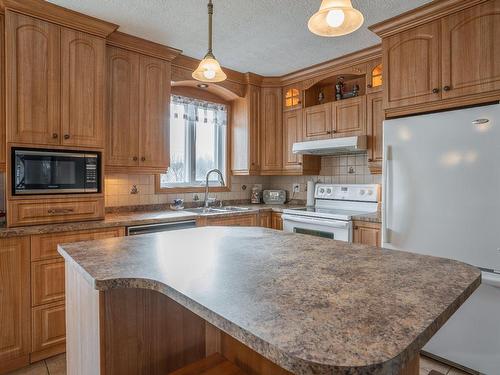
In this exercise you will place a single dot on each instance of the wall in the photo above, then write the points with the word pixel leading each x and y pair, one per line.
pixel 118 189
pixel 334 169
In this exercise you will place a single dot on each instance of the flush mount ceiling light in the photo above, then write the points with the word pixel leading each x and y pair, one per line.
pixel 335 18
pixel 209 69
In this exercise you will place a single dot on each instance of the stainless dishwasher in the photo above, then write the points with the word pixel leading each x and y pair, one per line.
pixel 160 227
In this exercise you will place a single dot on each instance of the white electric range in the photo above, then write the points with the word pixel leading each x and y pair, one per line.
pixel 335 206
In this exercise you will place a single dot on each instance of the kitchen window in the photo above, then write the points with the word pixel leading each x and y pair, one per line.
pixel 198 143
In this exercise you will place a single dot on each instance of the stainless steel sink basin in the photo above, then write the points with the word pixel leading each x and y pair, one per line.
pixel 213 210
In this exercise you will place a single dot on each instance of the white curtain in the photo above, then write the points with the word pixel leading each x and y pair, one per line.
pixel 196 110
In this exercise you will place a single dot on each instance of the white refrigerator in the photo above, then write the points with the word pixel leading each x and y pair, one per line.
pixel 441 197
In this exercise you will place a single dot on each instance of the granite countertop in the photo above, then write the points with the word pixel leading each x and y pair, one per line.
pixel 371 218
pixel 309 304
pixel 125 219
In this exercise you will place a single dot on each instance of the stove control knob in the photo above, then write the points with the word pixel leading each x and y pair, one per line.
pixel 322 191
pixel 369 192
pixel 328 191
pixel 361 192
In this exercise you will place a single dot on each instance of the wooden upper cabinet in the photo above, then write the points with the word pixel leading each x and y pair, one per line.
pixel 82 88
pixel 122 132
pixel 2 94
pixel 271 131
pixel 154 112
pixel 411 61
pixel 374 121
pixel 14 301
pixel 471 50
pixel 317 122
pixel 292 98
pixel 292 133
pixel 245 133
pixel 32 80
pixel 349 117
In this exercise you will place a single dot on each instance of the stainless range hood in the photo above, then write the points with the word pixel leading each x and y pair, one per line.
pixel 333 146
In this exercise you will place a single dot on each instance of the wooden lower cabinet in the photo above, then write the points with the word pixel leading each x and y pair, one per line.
pixel 277 221
pixel 367 233
pixel 15 321
pixel 265 219
pixel 31 330
pixel 49 330
pixel 248 220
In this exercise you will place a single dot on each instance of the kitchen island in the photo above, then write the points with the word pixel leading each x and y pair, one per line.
pixel 268 301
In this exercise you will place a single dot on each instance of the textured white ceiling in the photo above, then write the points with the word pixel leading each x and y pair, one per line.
pixel 267 37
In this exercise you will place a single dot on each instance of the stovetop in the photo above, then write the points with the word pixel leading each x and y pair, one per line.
pixel 340 202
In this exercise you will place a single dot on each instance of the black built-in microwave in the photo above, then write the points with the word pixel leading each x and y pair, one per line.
pixel 40 171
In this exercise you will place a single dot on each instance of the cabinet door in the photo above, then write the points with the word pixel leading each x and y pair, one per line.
pixel 375 119
pixel 471 50
pixel 49 328
pixel 47 281
pixel 2 94
pixel 412 66
pixel 254 127
pixel 271 131
pixel 234 221
pixel 349 117
pixel 367 234
pixel 122 129
pixel 318 122
pixel 277 221
pixel 154 112
pixel 265 220
pixel 292 133
pixel 32 80
pixel 14 300
pixel 83 61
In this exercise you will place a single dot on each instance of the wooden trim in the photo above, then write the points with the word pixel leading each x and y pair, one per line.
pixel 61 16
pixel 146 47
pixel 188 189
pixel 421 15
pixel 197 93
pixel 455 103
pixel 327 67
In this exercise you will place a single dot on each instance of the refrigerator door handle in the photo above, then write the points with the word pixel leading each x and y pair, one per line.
pixel 385 202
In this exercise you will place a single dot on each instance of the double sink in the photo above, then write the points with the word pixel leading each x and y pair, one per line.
pixel 215 210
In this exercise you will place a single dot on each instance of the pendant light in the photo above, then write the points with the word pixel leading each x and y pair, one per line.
pixel 335 18
pixel 209 69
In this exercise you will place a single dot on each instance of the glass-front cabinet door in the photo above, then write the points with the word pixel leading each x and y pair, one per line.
pixel 292 98
pixel 374 77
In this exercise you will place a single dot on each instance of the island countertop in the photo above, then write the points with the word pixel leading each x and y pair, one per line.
pixel 310 305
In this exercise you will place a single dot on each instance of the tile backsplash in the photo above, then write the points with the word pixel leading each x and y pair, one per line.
pixel 352 169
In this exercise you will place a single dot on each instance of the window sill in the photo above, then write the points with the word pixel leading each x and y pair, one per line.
pixel 189 189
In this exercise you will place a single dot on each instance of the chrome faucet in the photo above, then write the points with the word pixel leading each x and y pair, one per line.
pixel 221 181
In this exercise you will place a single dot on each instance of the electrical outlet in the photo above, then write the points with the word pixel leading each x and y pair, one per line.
pixel 296 188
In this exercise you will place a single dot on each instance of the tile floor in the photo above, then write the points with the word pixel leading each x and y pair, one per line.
pixel 57 366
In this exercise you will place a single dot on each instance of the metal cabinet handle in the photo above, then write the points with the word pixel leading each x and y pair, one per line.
pixel 66 136
pixel 60 210
pixel 334 131
pixel 446 88
pixel 55 135
pixel 435 91
pixel 369 86
pixel 135 158
pixel 143 159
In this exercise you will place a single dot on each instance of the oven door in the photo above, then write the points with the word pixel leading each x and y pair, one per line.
pixel 327 228
pixel 47 172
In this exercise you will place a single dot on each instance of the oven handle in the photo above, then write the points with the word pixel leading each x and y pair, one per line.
pixel 325 222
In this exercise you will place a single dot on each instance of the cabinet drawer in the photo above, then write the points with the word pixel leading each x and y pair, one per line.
pixel 27 212
pixel 234 221
pixel 44 246
pixel 49 326
pixel 47 281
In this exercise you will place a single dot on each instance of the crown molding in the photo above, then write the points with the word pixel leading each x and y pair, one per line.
pixel 421 15
pixel 146 47
pixel 59 15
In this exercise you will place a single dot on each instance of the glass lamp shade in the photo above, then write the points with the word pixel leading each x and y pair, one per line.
pixel 209 70
pixel 335 18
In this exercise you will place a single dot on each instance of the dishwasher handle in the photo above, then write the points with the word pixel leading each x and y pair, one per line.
pixel 160 227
